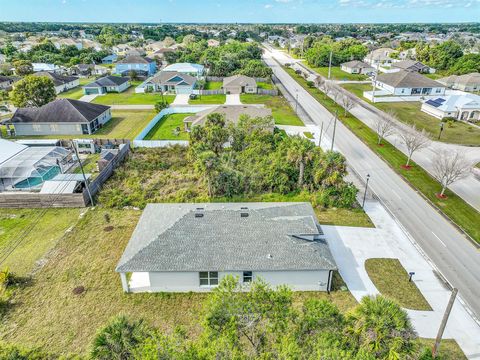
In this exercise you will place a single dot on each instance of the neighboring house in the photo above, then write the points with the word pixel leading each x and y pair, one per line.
pixel 68 42
pixel 160 54
pixel 380 57
pixel 62 83
pixel 110 59
pixel 239 84
pixel 461 107
pixel 357 67
pixel 196 70
pixel 107 84
pixel 90 44
pixel 47 67
pixel 61 117
pixel 232 114
pixel 468 82
pixel 213 43
pixel 406 83
pixel 170 82
pixel 408 54
pixel 191 247
pixel 86 70
pixel 412 65
pixel 144 67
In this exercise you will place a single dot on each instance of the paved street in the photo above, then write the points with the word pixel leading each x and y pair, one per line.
pixel 455 257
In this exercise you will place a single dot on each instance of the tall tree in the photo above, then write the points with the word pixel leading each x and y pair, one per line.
pixel 300 152
pixel 23 67
pixel 414 140
pixel 450 166
pixel 384 125
pixel 33 91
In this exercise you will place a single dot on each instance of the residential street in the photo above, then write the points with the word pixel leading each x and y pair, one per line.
pixel 455 257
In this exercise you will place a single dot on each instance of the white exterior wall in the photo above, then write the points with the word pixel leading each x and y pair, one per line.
pixel 304 280
pixel 408 91
pixel 439 114
pixel 67 86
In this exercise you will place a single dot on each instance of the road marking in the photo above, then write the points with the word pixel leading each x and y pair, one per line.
pixel 439 239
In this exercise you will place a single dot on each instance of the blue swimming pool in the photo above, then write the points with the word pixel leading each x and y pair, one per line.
pixel 44 175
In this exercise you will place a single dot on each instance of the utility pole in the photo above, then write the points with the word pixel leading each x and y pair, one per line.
pixel 365 193
pixel 443 324
pixel 330 64
pixel 296 101
pixel 321 134
pixel 87 186
pixel 334 129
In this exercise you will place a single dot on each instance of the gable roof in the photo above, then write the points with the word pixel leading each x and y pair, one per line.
pixel 57 79
pixel 407 79
pixel 185 68
pixel 135 59
pixel 453 103
pixel 465 80
pixel 232 113
pixel 60 111
pixel 172 78
pixel 411 65
pixel 356 64
pixel 108 81
pixel 274 236
pixel 239 80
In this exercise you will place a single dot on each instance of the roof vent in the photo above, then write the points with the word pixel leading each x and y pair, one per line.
pixel 244 212
pixel 199 212
pixel 269 256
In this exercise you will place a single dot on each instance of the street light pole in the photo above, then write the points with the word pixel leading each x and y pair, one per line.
pixel 321 134
pixel 296 100
pixel 441 130
pixel 365 193
pixel 334 129
pixel 330 65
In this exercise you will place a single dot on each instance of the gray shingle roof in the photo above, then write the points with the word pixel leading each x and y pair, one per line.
pixel 135 59
pixel 56 78
pixel 60 111
pixel 108 81
pixel 407 79
pixel 239 80
pixel 274 236
pixel 355 64
pixel 410 65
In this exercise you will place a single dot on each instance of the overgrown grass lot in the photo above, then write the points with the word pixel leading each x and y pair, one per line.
pixel 166 128
pixel 464 215
pixel 208 99
pixel 391 279
pixel 282 112
pixel 337 73
pixel 213 85
pixel 457 132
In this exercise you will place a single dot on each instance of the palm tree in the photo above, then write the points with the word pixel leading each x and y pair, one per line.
pixel 119 339
pixel 300 151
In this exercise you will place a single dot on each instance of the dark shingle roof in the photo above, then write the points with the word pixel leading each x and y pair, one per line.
pixel 135 59
pixel 56 78
pixel 274 236
pixel 410 65
pixel 60 111
pixel 108 81
pixel 407 79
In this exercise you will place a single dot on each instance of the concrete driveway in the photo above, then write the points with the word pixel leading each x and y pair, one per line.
pixel 88 98
pixel 181 99
pixel 352 246
pixel 233 99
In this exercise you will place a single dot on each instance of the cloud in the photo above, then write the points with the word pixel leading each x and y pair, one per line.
pixel 402 4
pixel 268 6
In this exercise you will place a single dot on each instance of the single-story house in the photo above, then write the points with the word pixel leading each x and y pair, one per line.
pixel 196 70
pixel 412 65
pixel 232 114
pixel 381 56
pixel 406 83
pixel 357 67
pixel 62 83
pixel 464 107
pixel 171 82
pixel 61 117
pixel 143 66
pixel 239 84
pixel 107 84
pixel 110 59
pixel 86 70
pixel 468 82
pixel 191 247
pixel 47 67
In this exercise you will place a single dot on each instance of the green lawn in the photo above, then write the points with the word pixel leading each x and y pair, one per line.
pixel 337 73
pixel 208 99
pixel 343 217
pixel 49 228
pixel 265 85
pixel 129 97
pixel 75 93
pixel 281 109
pixel 89 165
pixel 213 85
pixel 465 216
pixel 391 280
pixel 308 134
pixel 166 128
pixel 410 113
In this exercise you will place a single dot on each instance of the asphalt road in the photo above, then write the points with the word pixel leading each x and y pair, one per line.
pixel 455 257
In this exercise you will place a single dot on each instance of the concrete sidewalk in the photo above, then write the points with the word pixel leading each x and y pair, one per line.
pixel 352 246
pixel 233 99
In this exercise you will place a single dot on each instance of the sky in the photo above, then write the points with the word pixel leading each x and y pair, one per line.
pixel 242 11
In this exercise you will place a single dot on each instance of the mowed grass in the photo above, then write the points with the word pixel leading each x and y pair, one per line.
pixel 343 217
pixel 34 232
pixel 409 113
pixel 454 207
pixel 49 315
pixel 337 73
pixel 166 128
pixel 265 85
pixel 391 279
pixel 449 349
pixel 213 85
pixel 281 109
pixel 208 99
pixel 129 97
pixel 74 94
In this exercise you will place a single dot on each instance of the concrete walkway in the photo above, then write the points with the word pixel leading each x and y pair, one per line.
pixel 233 99
pixel 88 98
pixel 181 99
pixel 352 246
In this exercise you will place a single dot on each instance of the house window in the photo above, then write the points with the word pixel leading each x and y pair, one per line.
pixel 438 91
pixel 208 278
pixel 36 127
pixel 247 276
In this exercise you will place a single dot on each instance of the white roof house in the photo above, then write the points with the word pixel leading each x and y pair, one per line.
pixel 462 107
pixel 46 67
pixel 186 68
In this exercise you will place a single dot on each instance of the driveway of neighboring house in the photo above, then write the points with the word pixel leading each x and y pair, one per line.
pixel 351 246
pixel 88 98
pixel 233 99
pixel 181 99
